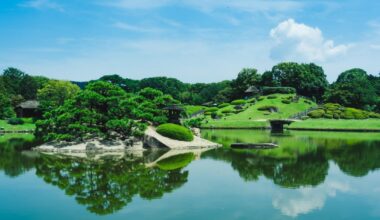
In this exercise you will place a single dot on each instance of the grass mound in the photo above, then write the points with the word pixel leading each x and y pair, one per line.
pixel 176 132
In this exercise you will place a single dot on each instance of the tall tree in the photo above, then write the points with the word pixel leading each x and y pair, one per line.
pixel 55 93
pixel 353 89
pixel 12 79
pixel 308 79
pixel 247 77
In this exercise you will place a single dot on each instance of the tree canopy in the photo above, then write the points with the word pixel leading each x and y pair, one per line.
pixel 353 89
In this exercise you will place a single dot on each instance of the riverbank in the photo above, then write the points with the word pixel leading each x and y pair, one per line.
pixel 367 125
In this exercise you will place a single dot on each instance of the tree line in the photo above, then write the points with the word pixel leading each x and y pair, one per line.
pixel 353 88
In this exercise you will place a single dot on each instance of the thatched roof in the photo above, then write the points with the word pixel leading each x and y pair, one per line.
pixel 30 104
pixel 252 89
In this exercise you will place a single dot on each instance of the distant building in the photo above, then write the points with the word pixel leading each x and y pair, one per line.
pixel 174 113
pixel 28 109
pixel 252 91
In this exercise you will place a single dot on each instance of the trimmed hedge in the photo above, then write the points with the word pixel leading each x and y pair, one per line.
pixel 272 97
pixel 15 121
pixel 336 111
pixel 212 109
pixel 223 105
pixel 281 90
pixel 286 101
pixel 253 100
pixel 268 108
pixel 226 111
pixel 176 132
pixel 238 102
pixel 260 98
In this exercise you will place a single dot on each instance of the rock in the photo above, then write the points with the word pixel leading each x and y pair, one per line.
pixel 91 147
pixel 196 131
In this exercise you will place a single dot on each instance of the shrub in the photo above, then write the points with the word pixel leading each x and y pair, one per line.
pixel 226 111
pixel 238 102
pixel 286 101
pixel 223 105
pixel 316 113
pixel 351 113
pixel 207 113
pixel 253 100
pixel 304 118
pixel 15 121
pixel 176 132
pixel 332 106
pixel 374 115
pixel 260 98
pixel 272 97
pixel 307 102
pixel 212 109
pixel 194 122
pixel 270 108
pixel 281 90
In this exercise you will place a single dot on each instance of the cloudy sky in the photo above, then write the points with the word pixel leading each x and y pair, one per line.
pixel 193 40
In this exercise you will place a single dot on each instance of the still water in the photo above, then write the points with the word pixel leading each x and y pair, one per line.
pixel 312 175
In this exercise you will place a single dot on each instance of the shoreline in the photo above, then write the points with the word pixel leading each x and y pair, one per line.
pixel 296 129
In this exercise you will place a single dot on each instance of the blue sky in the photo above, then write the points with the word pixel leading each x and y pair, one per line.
pixel 193 40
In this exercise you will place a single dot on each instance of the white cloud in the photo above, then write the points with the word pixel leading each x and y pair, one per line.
pixel 305 200
pixel 134 28
pixel 42 4
pixel 299 42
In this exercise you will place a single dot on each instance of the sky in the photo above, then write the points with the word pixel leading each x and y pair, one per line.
pixel 192 40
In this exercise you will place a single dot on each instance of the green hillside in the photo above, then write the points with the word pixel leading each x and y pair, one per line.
pixel 254 115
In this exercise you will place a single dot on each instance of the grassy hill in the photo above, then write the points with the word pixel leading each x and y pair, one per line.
pixel 254 115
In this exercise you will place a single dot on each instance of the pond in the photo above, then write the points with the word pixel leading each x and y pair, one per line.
pixel 312 175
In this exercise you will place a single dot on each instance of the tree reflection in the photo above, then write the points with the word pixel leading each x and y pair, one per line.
pixel 13 161
pixel 357 159
pixel 107 186
pixel 307 170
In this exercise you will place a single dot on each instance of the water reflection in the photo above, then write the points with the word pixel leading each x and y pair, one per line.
pixel 300 169
pixel 107 186
pixel 302 158
pixel 14 161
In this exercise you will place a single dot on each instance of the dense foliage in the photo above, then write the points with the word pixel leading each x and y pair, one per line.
pixel 16 87
pixel 176 132
pixel 336 111
pixel 282 90
pixel 54 94
pixel 354 89
pixel 103 110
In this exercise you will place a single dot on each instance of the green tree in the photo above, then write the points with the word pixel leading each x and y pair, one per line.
pixel 169 86
pixel 128 85
pixel 55 92
pixel 353 89
pixel 246 78
pixel 12 78
pixel 308 79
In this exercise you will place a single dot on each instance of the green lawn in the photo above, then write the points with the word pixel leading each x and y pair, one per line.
pixel 191 109
pixel 28 125
pixel 253 118
pixel 331 124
